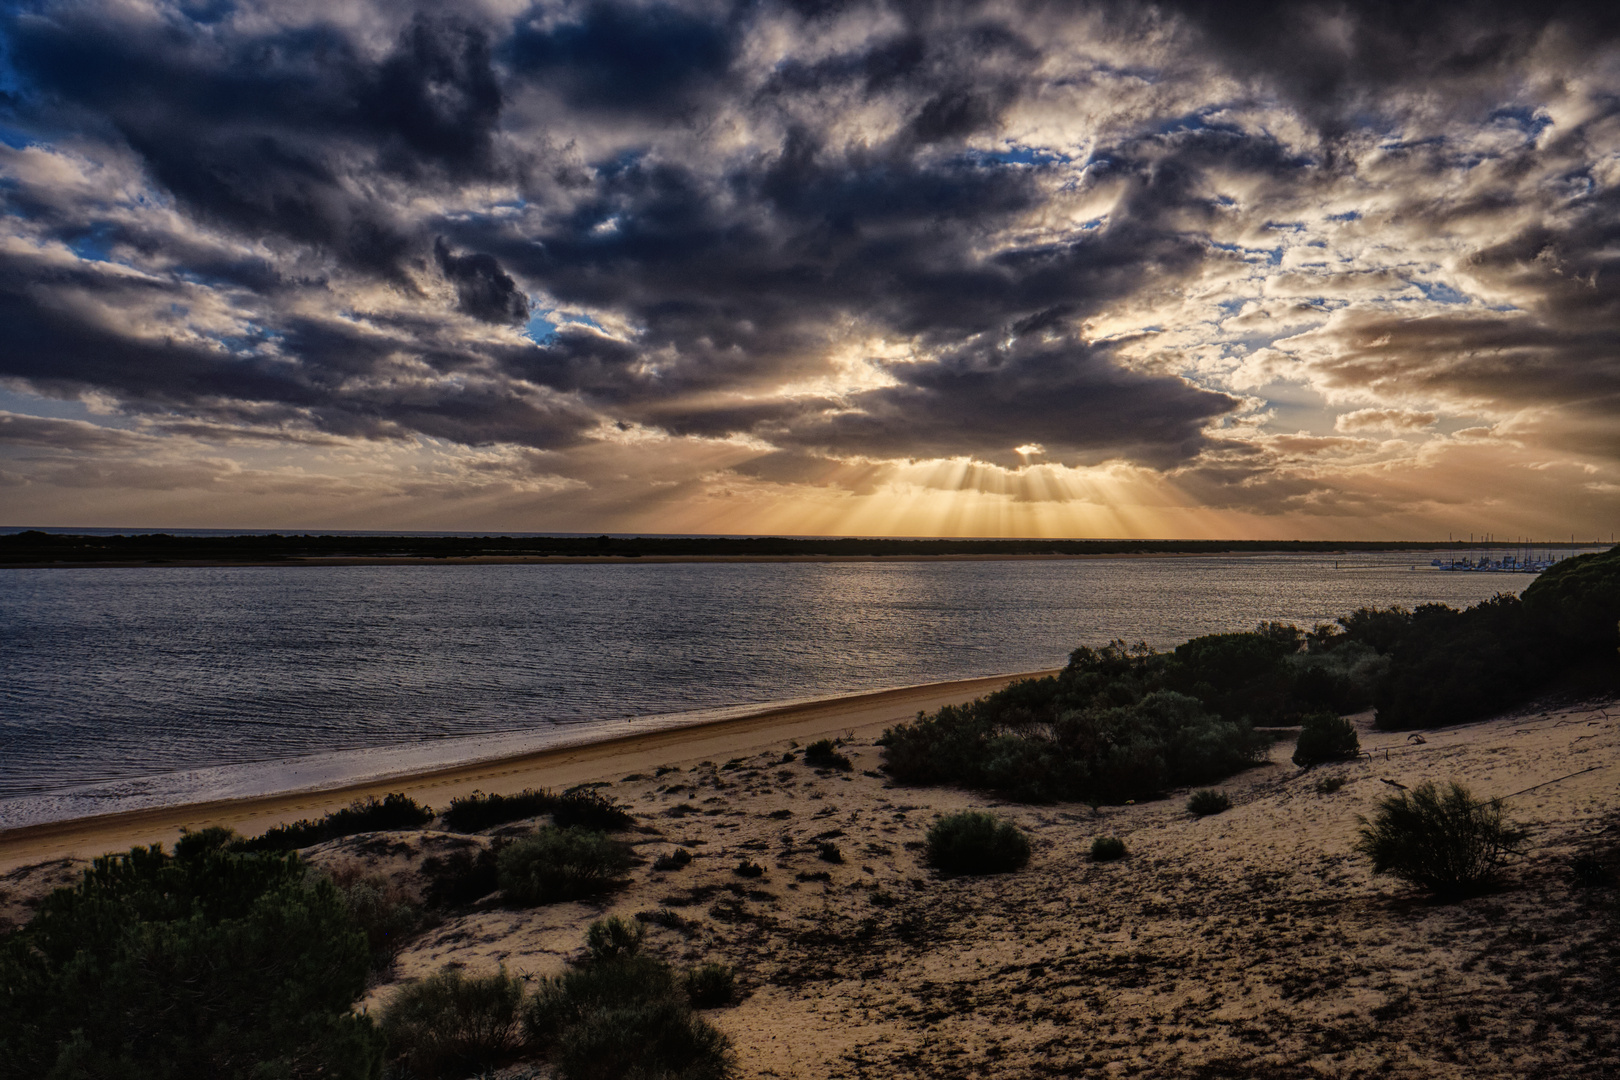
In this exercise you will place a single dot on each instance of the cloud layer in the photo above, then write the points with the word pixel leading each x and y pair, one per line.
pixel 753 266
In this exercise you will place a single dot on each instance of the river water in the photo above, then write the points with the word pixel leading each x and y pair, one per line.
pixel 130 687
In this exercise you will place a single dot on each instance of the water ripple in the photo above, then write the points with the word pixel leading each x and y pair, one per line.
pixel 122 674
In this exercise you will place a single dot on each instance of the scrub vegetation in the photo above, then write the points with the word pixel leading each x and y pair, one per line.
pixel 1324 737
pixel 553 865
pixel 1208 801
pixel 394 811
pixel 205 962
pixel 577 806
pixel 1107 849
pixel 1123 722
pixel 1442 840
pixel 618 1012
pixel 621 1012
pixel 973 842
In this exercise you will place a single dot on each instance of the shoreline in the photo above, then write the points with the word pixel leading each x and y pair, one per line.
pixel 864 713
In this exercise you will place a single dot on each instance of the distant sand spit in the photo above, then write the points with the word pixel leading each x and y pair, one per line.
pixel 865 715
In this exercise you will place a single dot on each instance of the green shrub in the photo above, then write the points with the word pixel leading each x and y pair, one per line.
pixel 749 869
pixel 595 986
pixel 1329 784
pixel 1238 676
pixel 195 845
pixel 678 859
pixel 613 937
pixel 394 811
pixel 1589 872
pixel 656 1039
pixel 1577 601
pixel 624 1015
pixel 162 967
pixel 1454 666
pixel 450 1024
pixel 557 864
pixel 711 985
pixel 1446 842
pixel 972 842
pixel 460 877
pixel 383 912
pixel 478 811
pixel 1107 849
pixel 827 851
pixel 590 809
pixel 1102 732
pixel 1326 737
pixel 1206 802
pixel 823 754
pixel 1337 675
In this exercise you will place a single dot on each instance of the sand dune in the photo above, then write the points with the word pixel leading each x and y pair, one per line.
pixel 1253 943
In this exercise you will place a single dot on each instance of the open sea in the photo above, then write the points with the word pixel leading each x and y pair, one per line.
pixel 122 688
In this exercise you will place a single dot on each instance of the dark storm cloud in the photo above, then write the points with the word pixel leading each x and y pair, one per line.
pixel 880 237
pixel 1076 408
pixel 64 352
pixel 271 131
pixel 1336 59
pixel 732 193
pixel 485 290
pixel 644 59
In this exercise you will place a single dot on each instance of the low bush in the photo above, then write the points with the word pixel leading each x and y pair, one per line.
pixel 1326 737
pixel 829 852
pixel 1329 784
pixel 383 912
pixel 749 869
pixel 613 937
pixel 557 864
pixel 665 917
pixel 394 811
pixel 624 1014
pixel 1206 802
pixel 209 963
pixel 661 1038
pixel 711 985
pixel 1101 732
pixel 451 1024
pixel 972 842
pixel 1107 849
pixel 460 877
pixel 823 754
pixel 1444 841
pixel 590 809
pixel 1589 872
pixel 562 1001
pixel 678 859
pixel 195 845
pixel 478 811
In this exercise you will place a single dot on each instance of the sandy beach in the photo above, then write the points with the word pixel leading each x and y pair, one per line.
pixel 863 715
pixel 1253 943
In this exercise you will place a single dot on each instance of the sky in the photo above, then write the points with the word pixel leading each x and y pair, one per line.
pixel 1191 269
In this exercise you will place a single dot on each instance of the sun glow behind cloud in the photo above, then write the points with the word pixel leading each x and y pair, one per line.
pixel 949 269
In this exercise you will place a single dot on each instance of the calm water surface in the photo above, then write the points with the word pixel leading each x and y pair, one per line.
pixel 123 687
